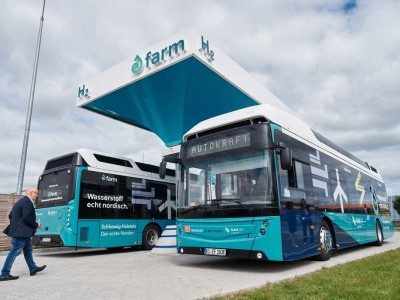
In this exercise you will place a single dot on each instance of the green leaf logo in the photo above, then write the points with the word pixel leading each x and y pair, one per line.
pixel 137 66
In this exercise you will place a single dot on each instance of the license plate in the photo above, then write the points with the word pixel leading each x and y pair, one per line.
pixel 46 240
pixel 217 252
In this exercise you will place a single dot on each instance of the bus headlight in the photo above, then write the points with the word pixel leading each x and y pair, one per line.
pixel 262 231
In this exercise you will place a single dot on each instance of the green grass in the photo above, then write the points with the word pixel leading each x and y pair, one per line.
pixel 376 277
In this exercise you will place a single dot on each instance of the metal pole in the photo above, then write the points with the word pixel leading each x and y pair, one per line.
pixel 29 113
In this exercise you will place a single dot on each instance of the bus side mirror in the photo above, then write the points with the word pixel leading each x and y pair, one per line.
pixel 286 159
pixel 163 169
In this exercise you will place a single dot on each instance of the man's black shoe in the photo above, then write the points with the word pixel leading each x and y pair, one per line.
pixel 8 277
pixel 38 269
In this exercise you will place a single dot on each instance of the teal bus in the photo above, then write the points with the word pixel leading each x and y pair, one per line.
pixel 259 183
pixel 95 200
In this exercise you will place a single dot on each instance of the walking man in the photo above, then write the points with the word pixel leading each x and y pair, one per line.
pixel 21 230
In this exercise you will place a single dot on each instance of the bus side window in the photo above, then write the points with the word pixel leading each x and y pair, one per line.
pixel 296 177
pixel 293 183
pixel 284 180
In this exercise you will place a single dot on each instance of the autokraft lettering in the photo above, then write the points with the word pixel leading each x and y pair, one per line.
pixel 109 178
pixel 158 57
pixel 218 145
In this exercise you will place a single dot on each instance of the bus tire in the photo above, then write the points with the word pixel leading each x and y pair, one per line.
pixel 325 242
pixel 151 234
pixel 379 234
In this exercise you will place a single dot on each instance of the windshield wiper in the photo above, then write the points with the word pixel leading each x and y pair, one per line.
pixel 214 201
pixel 237 201
pixel 226 201
pixel 191 208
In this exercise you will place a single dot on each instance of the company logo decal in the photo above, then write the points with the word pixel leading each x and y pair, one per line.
pixel 187 229
pixel 108 178
pixel 137 66
pixel 234 230
pixel 357 221
pixel 158 57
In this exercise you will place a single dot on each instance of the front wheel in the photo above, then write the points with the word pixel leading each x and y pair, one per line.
pixel 150 236
pixel 379 235
pixel 325 241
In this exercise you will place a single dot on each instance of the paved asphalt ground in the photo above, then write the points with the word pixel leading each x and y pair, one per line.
pixel 101 274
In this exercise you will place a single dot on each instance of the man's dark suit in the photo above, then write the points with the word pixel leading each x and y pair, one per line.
pixel 22 219
pixel 21 230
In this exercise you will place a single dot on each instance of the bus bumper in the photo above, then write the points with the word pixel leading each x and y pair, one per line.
pixel 233 253
pixel 47 241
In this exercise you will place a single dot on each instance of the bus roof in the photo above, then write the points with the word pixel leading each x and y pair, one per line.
pixel 289 123
pixel 104 161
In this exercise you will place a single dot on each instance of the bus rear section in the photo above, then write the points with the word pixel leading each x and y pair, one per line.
pixel 54 206
pixel 93 200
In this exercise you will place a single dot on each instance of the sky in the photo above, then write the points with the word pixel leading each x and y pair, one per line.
pixel 336 63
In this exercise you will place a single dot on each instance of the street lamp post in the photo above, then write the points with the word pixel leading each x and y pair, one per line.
pixel 30 105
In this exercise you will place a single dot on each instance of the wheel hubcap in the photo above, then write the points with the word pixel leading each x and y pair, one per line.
pixel 379 232
pixel 325 240
pixel 152 237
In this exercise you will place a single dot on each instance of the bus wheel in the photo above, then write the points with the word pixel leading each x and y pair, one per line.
pixel 150 236
pixel 325 241
pixel 379 234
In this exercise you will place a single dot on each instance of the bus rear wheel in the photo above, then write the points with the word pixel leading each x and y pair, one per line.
pixel 325 241
pixel 379 234
pixel 150 236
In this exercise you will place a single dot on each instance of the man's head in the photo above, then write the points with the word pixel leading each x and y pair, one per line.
pixel 32 193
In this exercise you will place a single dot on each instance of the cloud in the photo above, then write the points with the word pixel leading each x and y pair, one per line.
pixel 335 63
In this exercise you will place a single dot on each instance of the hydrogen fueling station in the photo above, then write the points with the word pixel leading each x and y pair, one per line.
pixel 173 85
pixel 233 135
pixel 169 88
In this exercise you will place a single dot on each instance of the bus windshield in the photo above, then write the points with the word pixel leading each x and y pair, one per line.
pixel 56 188
pixel 232 185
